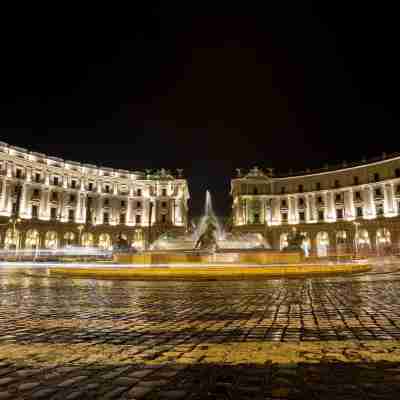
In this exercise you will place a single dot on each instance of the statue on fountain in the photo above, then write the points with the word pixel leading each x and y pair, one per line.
pixel 207 240
pixel 295 241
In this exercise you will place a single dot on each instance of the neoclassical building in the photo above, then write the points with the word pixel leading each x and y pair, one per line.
pixel 47 202
pixel 352 206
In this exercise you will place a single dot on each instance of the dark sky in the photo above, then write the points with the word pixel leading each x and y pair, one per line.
pixel 205 88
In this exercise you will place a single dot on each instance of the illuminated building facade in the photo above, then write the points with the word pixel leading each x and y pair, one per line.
pixel 350 207
pixel 48 202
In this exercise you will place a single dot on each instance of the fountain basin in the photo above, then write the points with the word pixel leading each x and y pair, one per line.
pixel 258 257
pixel 210 272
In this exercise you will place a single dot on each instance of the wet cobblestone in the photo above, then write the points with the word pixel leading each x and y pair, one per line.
pixel 332 338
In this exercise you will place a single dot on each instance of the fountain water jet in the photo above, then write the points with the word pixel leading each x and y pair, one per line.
pixel 210 235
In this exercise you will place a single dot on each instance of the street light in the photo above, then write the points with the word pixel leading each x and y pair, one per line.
pixel 13 221
pixel 356 224
pixel 80 229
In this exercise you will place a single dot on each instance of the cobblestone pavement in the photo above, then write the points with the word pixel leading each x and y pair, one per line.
pixel 320 338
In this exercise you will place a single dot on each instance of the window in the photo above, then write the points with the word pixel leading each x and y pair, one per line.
pixel 105 218
pixel 355 180
pixel 256 218
pixel 107 189
pixel 73 184
pixel 378 192
pixel 122 203
pixel 397 172
pixel 379 210
pixel 54 196
pixel 19 173
pixel 301 188
pixel 339 213
pixel 338 197
pixel 106 202
pixel 139 192
pixel 35 193
pixel 71 215
pixel 318 185
pixel 55 180
pixel 138 204
pixel 164 192
pixel 283 203
pixel 284 216
pixel 398 189
pixel 14 209
pixel 34 211
pixel 359 212
pixel 337 183
pixel 138 219
pixel 53 213
pixel 319 199
pixel 71 198
pixel 255 190
pixel 376 177
pixel 164 204
pixel 37 177
pixel 90 186
pixel 320 215
pixel 122 218
pixel 283 189
pixel 163 218
pixel 302 216
pixel 358 195
pixel 301 202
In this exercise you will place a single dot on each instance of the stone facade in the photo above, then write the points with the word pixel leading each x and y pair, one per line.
pixel 49 202
pixel 353 207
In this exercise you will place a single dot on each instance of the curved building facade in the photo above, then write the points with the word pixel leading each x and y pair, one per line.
pixel 348 208
pixel 48 202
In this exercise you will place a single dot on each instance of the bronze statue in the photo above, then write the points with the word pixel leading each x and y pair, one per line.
pixel 295 240
pixel 207 240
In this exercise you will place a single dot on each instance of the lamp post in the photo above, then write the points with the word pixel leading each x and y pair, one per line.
pixel 356 224
pixel 13 221
pixel 80 229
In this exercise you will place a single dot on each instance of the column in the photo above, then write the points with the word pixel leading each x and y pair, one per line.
pixel 331 209
pixel 314 208
pixel 291 210
pixel 3 195
pixel 349 204
pixel 388 200
pixel 309 214
pixel 63 210
pixel 23 210
pixel 44 211
pixel 99 219
pixel 394 202
pixel 368 203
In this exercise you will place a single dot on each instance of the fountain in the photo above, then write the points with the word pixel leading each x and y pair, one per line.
pixel 209 252
pixel 209 235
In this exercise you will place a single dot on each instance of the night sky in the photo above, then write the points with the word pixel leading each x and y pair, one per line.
pixel 204 88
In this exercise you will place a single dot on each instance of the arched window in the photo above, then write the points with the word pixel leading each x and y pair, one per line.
pixel 341 237
pixel 138 239
pixel 105 241
pixel 87 239
pixel 362 238
pixel 51 240
pixel 383 239
pixel 69 238
pixel 322 244
pixel 32 239
pixel 283 241
pixel 11 240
